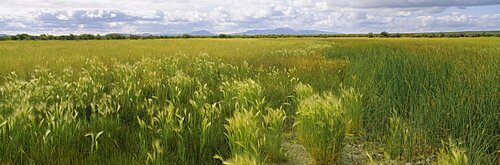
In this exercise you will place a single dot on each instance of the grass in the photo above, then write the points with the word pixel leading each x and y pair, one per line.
pixel 451 154
pixel 437 88
pixel 320 126
pixel 181 101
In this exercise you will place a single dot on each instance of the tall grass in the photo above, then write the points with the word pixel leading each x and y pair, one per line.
pixel 351 101
pixel 452 154
pixel 245 136
pixel 274 123
pixel 170 101
pixel 437 88
pixel 320 125
pixel 160 111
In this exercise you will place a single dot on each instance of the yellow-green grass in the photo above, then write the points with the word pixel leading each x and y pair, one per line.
pixel 24 56
pixel 167 101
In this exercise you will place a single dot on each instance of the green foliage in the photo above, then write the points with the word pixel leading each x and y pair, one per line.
pixel 320 126
pixel 436 91
pixel 223 36
pixel 245 136
pixel 155 105
pixel 303 91
pixel 252 135
pixel 243 95
pixel 351 101
pixel 451 154
pixel 186 36
pixel 384 34
pixel 370 35
pixel 152 111
pixel 399 141
pixel 273 126
pixel 115 36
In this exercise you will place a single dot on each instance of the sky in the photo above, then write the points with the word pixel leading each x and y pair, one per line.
pixel 231 16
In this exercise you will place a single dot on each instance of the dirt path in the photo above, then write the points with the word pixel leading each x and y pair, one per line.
pixel 355 153
pixel 296 154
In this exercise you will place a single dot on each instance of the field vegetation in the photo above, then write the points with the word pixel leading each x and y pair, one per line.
pixel 234 101
pixel 116 36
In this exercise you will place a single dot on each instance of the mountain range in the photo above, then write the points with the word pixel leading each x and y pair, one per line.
pixel 284 31
pixel 202 33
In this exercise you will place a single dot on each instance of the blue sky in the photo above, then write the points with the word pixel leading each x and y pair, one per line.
pixel 229 16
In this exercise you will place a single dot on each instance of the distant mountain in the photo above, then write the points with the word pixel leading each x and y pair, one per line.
pixel 270 31
pixel 147 34
pixel 144 34
pixel 315 32
pixel 283 31
pixel 166 34
pixel 1 35
pixel 202 33
pixel 122 34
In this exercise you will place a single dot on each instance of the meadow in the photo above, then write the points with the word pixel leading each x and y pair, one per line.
pixel 241 101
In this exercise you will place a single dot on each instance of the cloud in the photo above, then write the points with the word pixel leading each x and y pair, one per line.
pixel 460 21
pixel 410 3
pixel 225 16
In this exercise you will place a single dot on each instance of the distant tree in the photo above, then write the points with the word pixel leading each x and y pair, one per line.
pixel 3 38
pixel 186 36
pixel 51 37
pixel 370 35
pixel 98 37
pixel 43 37
pixel 86 37
pixel 384 34
pixel 223 36
pixel 115 36
pixel 72 37
pixel 135 37
pixel 23 36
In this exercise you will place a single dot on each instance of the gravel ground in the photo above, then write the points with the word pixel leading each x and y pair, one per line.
pixel 355 153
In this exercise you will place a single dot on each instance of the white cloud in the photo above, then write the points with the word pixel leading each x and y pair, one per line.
pixel 410 3
pixel 226 16
pixel 16 25
pixel 62 17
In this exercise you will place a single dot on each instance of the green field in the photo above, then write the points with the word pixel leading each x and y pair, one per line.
pixel 246 101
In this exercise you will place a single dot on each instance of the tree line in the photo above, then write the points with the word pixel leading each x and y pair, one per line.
pixel 115 36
